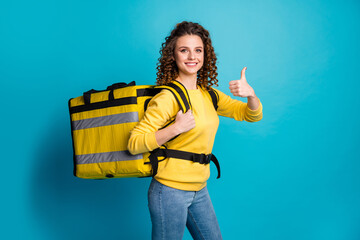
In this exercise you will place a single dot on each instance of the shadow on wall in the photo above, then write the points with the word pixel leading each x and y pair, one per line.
pixel 67 207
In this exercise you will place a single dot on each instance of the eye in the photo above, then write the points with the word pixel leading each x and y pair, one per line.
pixel 198 50
pixel 183 50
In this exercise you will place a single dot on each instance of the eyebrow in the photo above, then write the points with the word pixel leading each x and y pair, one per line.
pixel 188 47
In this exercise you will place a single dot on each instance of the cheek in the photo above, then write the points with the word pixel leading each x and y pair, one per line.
pixel 179 59
pixel 201 57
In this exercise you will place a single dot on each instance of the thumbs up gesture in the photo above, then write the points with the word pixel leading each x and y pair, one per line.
pixel 240 87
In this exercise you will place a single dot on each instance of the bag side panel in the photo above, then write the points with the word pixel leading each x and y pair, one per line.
pixel 100 137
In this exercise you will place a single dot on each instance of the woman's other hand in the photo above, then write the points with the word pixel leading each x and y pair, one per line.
pixel 241 88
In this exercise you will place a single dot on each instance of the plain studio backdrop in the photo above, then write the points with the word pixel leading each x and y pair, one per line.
pixel 295 175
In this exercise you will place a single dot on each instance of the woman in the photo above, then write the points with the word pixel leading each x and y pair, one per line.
pixel 178 195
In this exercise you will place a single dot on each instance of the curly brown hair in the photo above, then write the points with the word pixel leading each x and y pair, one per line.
pixel 167 69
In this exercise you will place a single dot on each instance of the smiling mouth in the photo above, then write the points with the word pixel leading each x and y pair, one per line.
pixel 190 64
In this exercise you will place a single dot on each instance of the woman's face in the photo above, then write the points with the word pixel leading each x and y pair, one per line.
pixel 189 54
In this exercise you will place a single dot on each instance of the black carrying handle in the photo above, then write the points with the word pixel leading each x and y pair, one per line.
pixel 87 95
pixel 120 85
pixel 117 86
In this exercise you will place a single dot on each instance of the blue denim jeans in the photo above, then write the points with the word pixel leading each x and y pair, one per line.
pixel 172 209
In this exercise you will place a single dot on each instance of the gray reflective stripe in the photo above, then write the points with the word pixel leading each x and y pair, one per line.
pixel 105 120
pixel 106 157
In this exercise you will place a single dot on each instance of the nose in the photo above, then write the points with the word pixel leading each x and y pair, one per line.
pixel 191 55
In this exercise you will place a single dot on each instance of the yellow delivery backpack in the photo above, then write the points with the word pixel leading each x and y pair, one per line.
pixel 101 122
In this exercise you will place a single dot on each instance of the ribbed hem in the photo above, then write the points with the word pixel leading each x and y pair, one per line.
pixel 182 185
pixel 254 112
pixel 151 141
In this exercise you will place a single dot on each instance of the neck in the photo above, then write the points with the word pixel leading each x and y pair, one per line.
pixel 189 81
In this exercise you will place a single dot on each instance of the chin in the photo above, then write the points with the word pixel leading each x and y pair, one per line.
pixel 191 71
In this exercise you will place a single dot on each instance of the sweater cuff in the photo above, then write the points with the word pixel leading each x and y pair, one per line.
pixel 255 112
pixel 151 142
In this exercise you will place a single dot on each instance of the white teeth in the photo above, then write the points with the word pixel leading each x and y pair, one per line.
pixel 191 64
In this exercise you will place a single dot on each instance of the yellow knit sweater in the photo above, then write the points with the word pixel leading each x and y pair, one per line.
pixel 178 173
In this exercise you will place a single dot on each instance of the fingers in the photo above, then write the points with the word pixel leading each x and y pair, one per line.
pixel 233 82
pixel 233 85
pixel 236 92
pixel 187 114
pixel 236 87
pixel 185 121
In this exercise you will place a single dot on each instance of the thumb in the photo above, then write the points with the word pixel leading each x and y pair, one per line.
pixel 243 73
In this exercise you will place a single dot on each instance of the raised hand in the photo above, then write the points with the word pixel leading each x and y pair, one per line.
pixel 240 87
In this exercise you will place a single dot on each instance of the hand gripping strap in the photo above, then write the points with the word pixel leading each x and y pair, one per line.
pixel 182 97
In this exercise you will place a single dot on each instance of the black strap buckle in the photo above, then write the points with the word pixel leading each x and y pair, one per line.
pixel 204 159
pixel 208 158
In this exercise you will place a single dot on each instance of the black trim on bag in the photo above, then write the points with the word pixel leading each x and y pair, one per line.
pixel 72 140
pixel 149 92
pixel 104 104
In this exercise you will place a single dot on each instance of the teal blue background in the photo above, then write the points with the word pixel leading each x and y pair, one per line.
pixel 294 175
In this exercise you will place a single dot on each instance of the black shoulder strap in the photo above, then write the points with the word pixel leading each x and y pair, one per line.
pixel 182 97
pixel 214 97
pixel 180 93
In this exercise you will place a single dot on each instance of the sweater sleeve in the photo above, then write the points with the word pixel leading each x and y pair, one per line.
pixel 160 110
pixel 237 109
